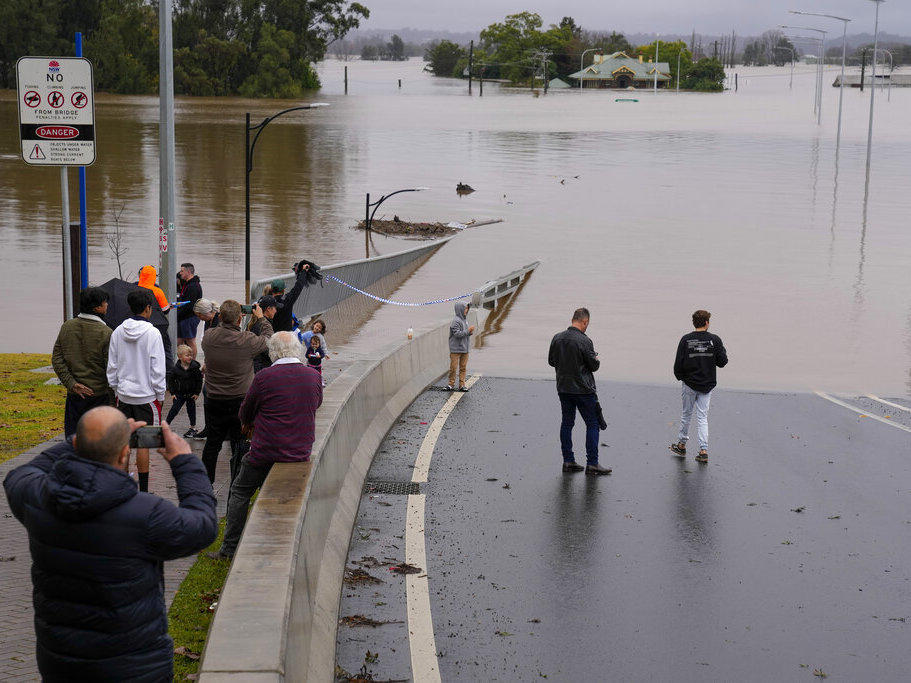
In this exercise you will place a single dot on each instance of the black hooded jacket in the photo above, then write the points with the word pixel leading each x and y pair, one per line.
pixel 284 304
pixel 98 547
pixel 190 291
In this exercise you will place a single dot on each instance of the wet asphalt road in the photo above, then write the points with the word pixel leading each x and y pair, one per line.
pixel 665 570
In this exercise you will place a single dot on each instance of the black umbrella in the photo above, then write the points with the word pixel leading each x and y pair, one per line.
pixel 119 310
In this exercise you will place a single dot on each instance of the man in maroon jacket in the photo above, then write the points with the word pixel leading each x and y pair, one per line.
pixel 280 407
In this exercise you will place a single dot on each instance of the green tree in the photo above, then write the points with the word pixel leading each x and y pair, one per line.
pixel 41 38
pixel 209 67
pixel 124 48
pixel 511 44
pixel 278 73
pixel 706 75
pixel 396 49
pixel 443 56
pixel 668 52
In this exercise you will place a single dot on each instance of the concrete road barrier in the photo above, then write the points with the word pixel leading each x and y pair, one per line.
pixel 278 613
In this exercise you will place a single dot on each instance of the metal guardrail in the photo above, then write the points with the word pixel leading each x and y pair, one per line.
pixel 493 290
pixel 362 273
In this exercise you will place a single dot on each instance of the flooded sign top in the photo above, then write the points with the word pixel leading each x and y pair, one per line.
pixel 56 111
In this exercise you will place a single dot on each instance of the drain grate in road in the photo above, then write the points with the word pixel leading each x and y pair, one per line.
pixel 394 488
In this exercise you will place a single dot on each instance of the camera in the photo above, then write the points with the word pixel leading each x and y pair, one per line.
pixel 147 437
pixel 246 309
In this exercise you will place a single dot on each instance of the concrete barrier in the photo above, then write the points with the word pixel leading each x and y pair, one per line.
pixel 277 618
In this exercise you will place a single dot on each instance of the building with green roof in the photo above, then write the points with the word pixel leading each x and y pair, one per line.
pixel 619 70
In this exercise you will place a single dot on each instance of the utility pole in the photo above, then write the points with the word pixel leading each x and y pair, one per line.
pixel 166 201
pixel 715 53
pixel 863 68
pixel 470 64
pixel 657 43
pixel 346 82
pixel 733 46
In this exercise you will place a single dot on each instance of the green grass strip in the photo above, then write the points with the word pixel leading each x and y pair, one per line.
pixel 30 412
pixel 191 611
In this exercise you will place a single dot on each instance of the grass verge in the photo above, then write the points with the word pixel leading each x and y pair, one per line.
pixel 193 608
pixel 30 412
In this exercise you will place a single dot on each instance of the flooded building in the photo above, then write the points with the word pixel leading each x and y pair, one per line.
pixel 619 70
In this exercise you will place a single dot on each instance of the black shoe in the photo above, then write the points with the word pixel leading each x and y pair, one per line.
pixel 190 434
pixel 463 388
pixel 679 448
pixel 595 470
pixel 703 456
pixel 202 435
pixel 449 388
pixel 572 467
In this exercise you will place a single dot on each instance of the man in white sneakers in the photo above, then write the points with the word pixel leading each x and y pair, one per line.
pixel 137 371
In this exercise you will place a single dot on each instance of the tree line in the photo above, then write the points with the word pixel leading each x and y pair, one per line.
pixel 520 49
pixel 265 48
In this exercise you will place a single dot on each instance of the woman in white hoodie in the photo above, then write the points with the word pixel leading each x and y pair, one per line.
pixel 137 371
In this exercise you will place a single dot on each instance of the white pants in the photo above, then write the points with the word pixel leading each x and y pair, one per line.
pixel 693 399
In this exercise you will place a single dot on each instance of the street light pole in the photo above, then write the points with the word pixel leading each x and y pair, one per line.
pixel 872 91
pixel 891 69
pixel 793 55
pixel 819 69
pixel 368 219
pixel 844 52
pixel 678 71
pixel 657 42
pixel 248 168
pixel 581 61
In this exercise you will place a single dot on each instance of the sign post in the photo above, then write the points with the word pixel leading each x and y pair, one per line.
pixel 57 128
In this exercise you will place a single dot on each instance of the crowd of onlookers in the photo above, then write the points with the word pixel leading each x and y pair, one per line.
pixel 98 538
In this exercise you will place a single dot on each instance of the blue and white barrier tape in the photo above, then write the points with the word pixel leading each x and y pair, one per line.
pixel 399 303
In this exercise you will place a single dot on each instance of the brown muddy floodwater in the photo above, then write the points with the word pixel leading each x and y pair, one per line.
pixel 642 211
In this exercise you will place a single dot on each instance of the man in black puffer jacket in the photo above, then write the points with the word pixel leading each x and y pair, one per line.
pixel 98 547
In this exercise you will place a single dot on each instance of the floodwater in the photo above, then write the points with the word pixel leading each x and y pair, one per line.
pixel 642 211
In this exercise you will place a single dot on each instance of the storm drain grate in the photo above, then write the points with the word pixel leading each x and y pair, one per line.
pixel 394 488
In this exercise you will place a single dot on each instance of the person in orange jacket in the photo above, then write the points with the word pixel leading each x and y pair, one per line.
pixel 147 277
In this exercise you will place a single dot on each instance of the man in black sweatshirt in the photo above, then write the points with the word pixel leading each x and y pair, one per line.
pixel 698 354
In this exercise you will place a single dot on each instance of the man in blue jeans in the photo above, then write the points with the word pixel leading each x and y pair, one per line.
pixel 573 356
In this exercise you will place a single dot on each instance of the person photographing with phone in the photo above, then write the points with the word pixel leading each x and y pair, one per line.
pixel 229 353
pixel 98 547
pixel 305 273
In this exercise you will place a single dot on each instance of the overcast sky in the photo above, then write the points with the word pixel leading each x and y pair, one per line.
pixel 672 16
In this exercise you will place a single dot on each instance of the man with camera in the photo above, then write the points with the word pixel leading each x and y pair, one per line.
pixel 98 546
pixel 137 370
pixel 270 307
pixel 306 272
pixel 229 353
pixel 573 356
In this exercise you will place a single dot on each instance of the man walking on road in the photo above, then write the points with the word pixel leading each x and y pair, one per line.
pixel 698 354
pixel 459 341
pixel 573 356
pixel 137 371
pixel 98 547
pixel 80 358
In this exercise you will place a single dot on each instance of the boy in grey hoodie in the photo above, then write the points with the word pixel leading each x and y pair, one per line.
pixel 459 340
pixel 137 371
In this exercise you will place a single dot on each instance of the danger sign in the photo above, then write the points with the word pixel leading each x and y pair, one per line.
pixel 56 111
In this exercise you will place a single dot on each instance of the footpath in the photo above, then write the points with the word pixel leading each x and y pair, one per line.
pixel 17 637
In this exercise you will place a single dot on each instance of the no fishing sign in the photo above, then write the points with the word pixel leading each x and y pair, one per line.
pixel 56 111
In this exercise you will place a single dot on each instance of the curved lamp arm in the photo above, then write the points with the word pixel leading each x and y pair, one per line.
pixel 259 127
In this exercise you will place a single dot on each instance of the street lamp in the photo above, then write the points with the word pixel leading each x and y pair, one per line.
pixel 248 167
pixel 581 61
pixel 891 69
pixel 793 57
pixel 819 67
pixel 657 42
pixel 844 50
pixel 872 92
pixel 368 218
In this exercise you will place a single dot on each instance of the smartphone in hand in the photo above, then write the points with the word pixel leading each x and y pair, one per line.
pixel 147 437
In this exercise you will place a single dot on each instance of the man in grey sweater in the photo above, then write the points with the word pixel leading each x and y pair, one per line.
pixel 459 340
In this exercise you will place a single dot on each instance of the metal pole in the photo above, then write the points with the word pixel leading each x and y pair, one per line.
pixel 791 84
pixel 581 66
pixel 841 85
pixel 367 215
pixel 657 41
pixel 346 82
pixel 863 68
pixel 166 200
pixel 247 169
pixel 83 222
pixel 872 92
pixel 67 249
pixel 678 72
pixel 470 64
pixel 822 51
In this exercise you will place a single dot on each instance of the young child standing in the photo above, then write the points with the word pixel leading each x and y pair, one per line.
pixel 185 383
pixel 315 354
